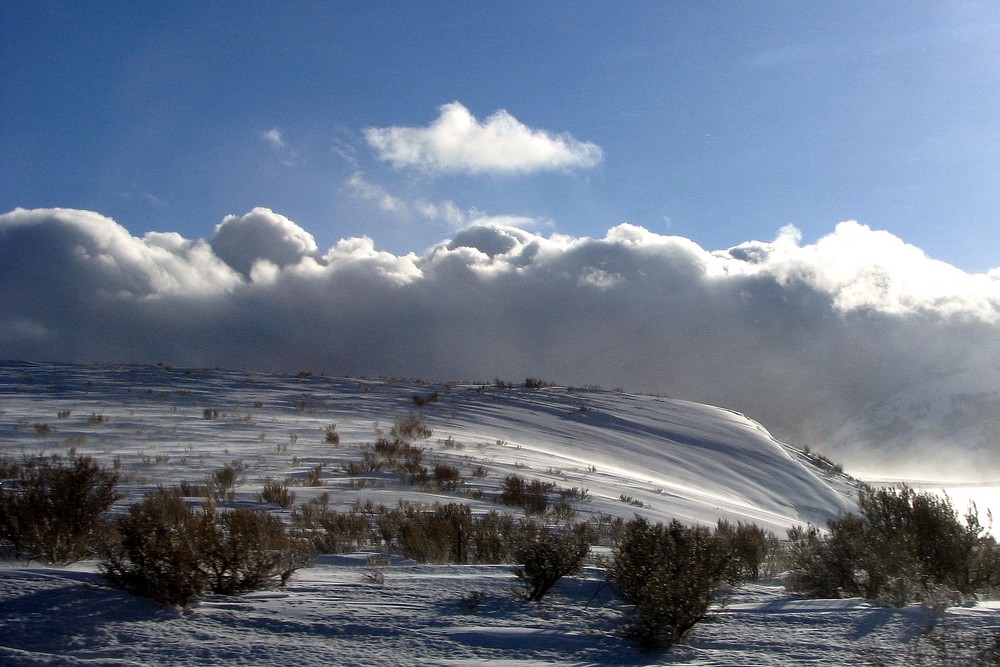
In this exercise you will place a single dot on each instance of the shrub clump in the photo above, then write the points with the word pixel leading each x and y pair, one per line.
pixel 396 455
pixel 551 556
pixel 250 549
pixel 442 533
pixel 670 574
pixel 331 531
pixel 421 400
pixel 903 547
pixel 450 533
pixel 51 509
pixel 446 477
pixel 754 550
pixel 168 551
pixel 277 493
pixel 157 550
pixel 411 427
pixel 223 482
pixel 532 496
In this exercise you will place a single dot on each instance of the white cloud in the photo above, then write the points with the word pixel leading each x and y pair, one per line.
pixel 376 193
pixel 274 138
pixel 138 194
pixel 445 211
pixel 802 337
pixel 94 255
pixel 477 217
pixel 458 142
pixel 261 234
pixel 862 268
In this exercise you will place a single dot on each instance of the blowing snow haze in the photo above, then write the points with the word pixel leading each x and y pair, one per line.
pixel 858 345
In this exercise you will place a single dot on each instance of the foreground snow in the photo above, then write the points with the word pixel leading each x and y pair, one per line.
pixel 333 614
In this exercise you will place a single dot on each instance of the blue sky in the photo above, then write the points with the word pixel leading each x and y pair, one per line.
pixel 721 122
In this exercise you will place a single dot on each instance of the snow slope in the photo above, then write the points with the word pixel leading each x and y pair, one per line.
pixel 674 459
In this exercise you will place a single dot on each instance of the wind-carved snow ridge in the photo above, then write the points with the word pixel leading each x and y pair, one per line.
pixel 681 460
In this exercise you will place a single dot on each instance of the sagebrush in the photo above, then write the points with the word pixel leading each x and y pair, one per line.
pixel 902 547
pixel 670 574
pixel 171 552
pixel 549 557
pixel 51 508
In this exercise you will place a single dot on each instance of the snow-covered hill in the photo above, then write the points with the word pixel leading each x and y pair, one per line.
pixel 654 456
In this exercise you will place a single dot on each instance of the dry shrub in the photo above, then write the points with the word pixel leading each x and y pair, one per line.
pixel 51 508
pixel 411 427
pixel 157 550
pixel 331 531
pixel 168 551
pixel 398 455
pixel 902 547
pixel 753 549
pixel 449 533
pixel 277 493
pixel 224 481
pixel 530 495
pixel 446 477
pixel 670 573
pixel 549 557
pixel 249 550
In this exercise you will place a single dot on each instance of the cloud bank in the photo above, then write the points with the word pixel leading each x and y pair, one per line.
pixel 458 142
pixel 811 340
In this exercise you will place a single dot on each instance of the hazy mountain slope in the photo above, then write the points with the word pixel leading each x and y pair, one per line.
pixel 918 431
pixel 679 459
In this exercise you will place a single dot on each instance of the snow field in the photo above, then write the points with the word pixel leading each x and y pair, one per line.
pixel 653 456
pixel 334 614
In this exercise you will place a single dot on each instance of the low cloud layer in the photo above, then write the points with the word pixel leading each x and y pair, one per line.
pixel 458 142
pixel 808 339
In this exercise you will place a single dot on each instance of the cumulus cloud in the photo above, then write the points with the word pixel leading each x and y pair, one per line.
pixel 458 142
pixel 833 344
pixel 261 235
pixel 863 268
